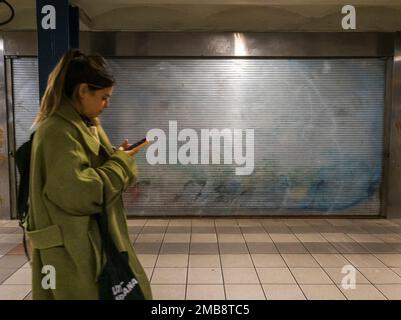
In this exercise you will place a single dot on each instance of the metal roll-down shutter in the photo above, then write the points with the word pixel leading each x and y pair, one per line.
pixel 318 132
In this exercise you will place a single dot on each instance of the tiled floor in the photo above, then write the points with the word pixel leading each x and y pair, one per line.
pixel 252 258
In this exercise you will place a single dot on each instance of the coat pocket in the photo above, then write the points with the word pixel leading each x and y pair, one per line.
pixel 45 238
pixel 95 241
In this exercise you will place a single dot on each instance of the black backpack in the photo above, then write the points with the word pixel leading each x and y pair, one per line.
pixel 23 160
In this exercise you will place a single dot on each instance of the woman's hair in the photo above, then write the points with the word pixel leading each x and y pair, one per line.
pixel 73 69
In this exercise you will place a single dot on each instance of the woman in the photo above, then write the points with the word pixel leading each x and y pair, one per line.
pixel 72 163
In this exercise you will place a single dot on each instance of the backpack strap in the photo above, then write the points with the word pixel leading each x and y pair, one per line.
pixel 23 160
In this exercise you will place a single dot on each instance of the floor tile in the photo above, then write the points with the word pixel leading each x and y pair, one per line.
pixel 349 247
pixel 380 275
pixel 311 276
pixel 157 222
pixel 262 247
pixel 235 238
pixel 204 248
pixel 228 230
pixel 177 237
pixel 363 292
pixel 153 230
pixel 172 260
pixel 205 276
pixel 134 229
pixel 390 291
pixel 382 247
pixel 273 223
pixel 389 238
pixel 169 276
pixel 245 222
pixel 180 222
pixel 21 276
pixel 12 261
pixel 284 247
pixel 236 261
pixel 294 222
pixel 132 237
pixel 11 223
pixel 275 276
pixel 8 230
pixel 202 261
pixel 204 237
pixel 202 222
pixel 268 260
pixel 174 248
pixel 336 237
pixel 283 237
pixel 244 292
pixel 149 238
pixel 397 271
pixel 225 222
pixel 277 229
pixel 14 292
pixel 340 274
pixel 240 276
pixel 147 260
pixel 149 272
pixel 310 237
pixel 136 222
pixel 6 247
pixel 320 247
pixel 233 248
pixel 316 222
pixel 390 260
pixel 203 229
pixel 322 292
pixel 28 296
pixel 299 260
pixel 257 237
pixel 178 230
pixel 147 248
pixel 11 238
pixel 283 292
pixel 330 259
pixel 363 238
pixel 364 260
pixel 6 273
pixel 168 292
pixel 205 292
pixel 253 230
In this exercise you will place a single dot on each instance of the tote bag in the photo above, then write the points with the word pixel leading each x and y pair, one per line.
pixel 116 281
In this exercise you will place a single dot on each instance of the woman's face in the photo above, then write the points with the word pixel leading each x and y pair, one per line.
pixel 92 103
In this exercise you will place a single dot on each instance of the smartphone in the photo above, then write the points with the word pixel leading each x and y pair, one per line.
pixel 138 144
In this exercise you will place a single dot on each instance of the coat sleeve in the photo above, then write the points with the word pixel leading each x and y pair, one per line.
pixel 77 188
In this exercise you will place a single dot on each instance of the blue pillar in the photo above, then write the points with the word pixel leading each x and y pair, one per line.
pixel 74 27
pixel 58 30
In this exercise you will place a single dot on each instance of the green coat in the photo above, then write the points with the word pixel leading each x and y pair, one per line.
pixel 67 177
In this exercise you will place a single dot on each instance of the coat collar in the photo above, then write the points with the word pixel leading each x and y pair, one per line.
pixel 70 114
